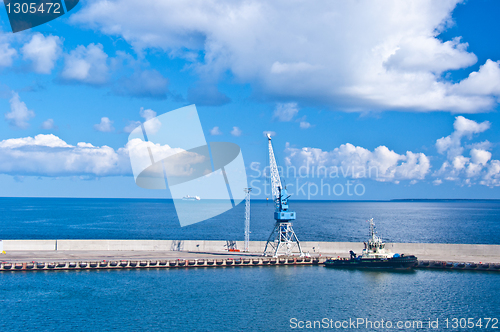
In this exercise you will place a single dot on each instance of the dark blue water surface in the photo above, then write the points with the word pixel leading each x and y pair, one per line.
pixel 76 218
pixel 249 298
pixel 240 299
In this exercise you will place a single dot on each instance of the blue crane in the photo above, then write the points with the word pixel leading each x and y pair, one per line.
pixel 283 239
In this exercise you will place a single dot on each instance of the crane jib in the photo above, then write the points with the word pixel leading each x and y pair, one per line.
pixel 280 195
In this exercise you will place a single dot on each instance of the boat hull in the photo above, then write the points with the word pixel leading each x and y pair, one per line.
pixel 404 262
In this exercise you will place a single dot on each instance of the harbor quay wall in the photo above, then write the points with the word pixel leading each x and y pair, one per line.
pixel 424 250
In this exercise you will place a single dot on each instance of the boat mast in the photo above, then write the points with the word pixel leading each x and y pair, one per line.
pixel 372 230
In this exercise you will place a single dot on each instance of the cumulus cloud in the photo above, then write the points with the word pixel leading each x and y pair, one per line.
pixel 7 55
pixel 420 53
pixel 305 51
pixel 147 114
pixel 19 114
pixel 236 132
pixel 131 126
pixel 106 125
pixel 304 125
pixel 215 131
pixel 485 82
pixel 48 155
pixel 86 64
pixel 180 163
pixel 42 52
pixel 491 177
pixel 285 112
pixel 478 167
pixel 48 124
pixel 348 160
pixel 452 144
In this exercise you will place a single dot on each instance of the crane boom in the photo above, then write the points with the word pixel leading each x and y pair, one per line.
pixel 280 195
pixel 275 175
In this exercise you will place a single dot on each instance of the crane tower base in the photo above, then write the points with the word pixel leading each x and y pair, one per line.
pixel 282 241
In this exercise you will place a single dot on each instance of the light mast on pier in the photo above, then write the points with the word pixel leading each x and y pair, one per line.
pixel 247 219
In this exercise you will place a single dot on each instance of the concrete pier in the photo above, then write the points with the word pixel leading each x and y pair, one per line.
pixel 22 255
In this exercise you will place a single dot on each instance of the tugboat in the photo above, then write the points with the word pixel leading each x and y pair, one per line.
pixel 375 255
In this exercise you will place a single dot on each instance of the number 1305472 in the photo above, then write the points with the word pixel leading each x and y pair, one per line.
pixel 469 323
pixel 34 8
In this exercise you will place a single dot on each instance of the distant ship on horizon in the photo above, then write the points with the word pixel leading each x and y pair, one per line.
pixel 191 198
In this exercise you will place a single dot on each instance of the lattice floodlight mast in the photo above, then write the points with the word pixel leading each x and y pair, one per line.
pixel 247 219
pixel 282 240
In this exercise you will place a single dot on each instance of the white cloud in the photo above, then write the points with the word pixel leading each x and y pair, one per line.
pixel 452 144
pixel 421 53
pixel 236 131
pixel 180 161
pixel 485 145
pixel 468 127
pixel 459 162
pixel 19 114
pixel 480 156
pixel 86 64
pixel 297 67
pixel 147 114
pixel 285 112
pixel 43 52
pixel 361 55
pixel 48 124
pixel 215 131
pixel 304 125
pixel 50 140
pixel 479 167
pixel 131 126
pixel 348 160
pixel 492 176
pixel 7 55
pixel 485 82
pixel 106 125
pixel 48 155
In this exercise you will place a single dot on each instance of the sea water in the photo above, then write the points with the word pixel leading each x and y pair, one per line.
pixel 252 298
pixel 245 298
pixel 475 222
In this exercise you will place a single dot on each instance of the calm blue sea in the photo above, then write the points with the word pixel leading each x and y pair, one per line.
pixel 242 299
pixel 252 298
pixel 76 218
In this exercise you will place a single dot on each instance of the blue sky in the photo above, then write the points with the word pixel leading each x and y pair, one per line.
pixel 407 89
